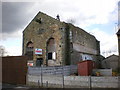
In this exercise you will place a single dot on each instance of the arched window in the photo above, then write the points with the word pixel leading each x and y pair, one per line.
pixel 30 44
pixel 29 50
pixel 51 49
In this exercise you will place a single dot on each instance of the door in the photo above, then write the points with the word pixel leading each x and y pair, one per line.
pixel 39 61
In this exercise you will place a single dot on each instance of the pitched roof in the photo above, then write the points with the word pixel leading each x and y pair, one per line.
pixel 118 33
pixel 111 56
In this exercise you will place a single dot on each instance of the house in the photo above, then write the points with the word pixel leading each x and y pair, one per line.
pixel 48 41
pixel 110 62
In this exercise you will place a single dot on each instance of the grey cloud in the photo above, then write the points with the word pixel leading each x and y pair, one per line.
pixel 15 16
pixel 119 14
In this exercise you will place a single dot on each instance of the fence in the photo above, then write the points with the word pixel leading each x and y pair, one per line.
pixel 14 69
pixel 53 70
pixel 103 72
pixel 73 81
pixel 61 76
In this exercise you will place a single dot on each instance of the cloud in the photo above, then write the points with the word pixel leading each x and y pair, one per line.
pixel 108 43
pixel 16 34
pixel 14 51
pixel 85 12
pixel 119 15
pixel 13 46
pixel 15 16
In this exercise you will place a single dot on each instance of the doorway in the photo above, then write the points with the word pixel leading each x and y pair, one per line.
pixel 39 62
pixel 51 51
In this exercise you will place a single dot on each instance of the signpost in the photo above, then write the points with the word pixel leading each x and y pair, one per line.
pixel 38 51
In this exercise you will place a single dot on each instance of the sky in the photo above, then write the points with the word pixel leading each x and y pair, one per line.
pixel 97 17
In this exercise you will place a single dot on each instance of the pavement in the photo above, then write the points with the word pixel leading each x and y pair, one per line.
pixel 15 87
pixel 24 87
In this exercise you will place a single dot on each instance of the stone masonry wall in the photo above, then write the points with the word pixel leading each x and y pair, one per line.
pixel 70 41
pixel 83 43
pixel 39 34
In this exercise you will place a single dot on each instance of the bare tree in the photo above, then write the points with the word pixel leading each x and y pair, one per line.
pixel 2 51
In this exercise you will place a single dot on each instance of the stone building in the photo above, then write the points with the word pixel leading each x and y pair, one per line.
pixel 110 62
pixel 59 43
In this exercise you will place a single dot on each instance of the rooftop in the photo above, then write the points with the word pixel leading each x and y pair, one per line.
pixel 118 33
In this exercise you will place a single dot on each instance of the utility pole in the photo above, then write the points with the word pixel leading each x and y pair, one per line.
pixel 118 35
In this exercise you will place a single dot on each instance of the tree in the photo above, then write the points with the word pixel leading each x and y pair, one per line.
pixel 2 51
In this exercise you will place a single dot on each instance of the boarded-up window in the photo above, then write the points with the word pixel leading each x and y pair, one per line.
pixel 29 50
pixel 51 49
